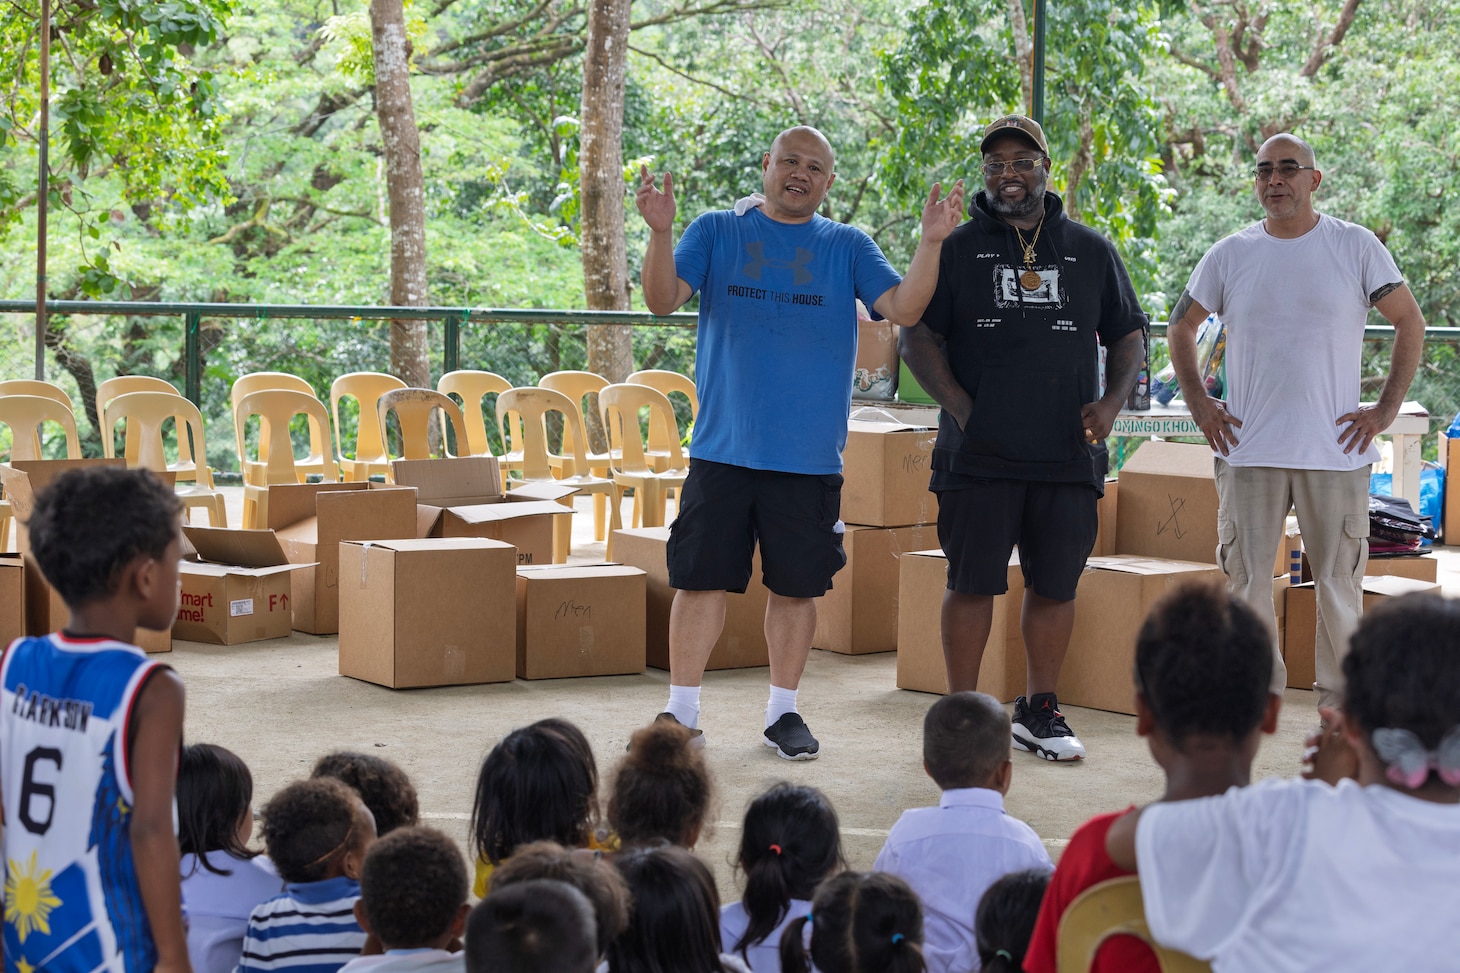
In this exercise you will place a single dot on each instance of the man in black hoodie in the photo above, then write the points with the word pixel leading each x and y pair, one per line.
pixel 1008 348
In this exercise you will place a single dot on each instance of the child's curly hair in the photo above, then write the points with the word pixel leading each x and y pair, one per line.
pixel 309 826
pixel 385 788
pixel 662 789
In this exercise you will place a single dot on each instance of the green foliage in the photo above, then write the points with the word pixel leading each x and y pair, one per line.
pixel 349 35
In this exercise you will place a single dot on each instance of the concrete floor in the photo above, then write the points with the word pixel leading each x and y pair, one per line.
pixel 281 704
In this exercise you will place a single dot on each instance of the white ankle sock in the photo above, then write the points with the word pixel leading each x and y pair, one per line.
pixel 782 701
pixel 684 705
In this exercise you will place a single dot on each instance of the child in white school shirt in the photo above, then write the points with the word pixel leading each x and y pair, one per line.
pixel 952 853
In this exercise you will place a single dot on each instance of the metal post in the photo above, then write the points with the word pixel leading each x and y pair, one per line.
pixel 43 196
pixel 451 341
pixel 1036 110
pixel 193 345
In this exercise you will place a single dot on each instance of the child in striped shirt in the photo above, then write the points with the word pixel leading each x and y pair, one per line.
pixel 316 832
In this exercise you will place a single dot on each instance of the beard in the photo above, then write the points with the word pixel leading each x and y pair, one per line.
pixel 1029 205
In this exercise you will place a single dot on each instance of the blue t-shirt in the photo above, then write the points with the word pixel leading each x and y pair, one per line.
pixel 777 335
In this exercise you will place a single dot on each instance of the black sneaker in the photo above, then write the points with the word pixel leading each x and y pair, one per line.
pixel 792 739
pixel 1040 728
pixel 696 735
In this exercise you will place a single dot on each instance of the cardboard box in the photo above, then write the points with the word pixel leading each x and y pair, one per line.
pixel 742 641
pixel 311 519
pixel 922 579
pixel 580 620
pixel 427 612
pixel 235 587
pixel 1168 504
pixel 45 612
pixel 886 467
pixel 12 598
pixel 1426 567
pixel 1114 596
pixel 1450 460
pixel 859 613
pixel 1106 513
pixel 1280 587
pixel 1300 643
pixel 874 376
pixel 462 497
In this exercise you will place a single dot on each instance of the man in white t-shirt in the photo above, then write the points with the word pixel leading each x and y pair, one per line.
pixel 1294 291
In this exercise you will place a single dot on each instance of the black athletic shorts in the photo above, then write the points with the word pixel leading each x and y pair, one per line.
pixel 1053 524
pixel 724 510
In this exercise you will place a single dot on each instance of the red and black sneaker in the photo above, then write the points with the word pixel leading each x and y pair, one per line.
pixel 1040 728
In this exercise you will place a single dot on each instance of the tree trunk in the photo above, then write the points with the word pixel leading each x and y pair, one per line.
pixel 601 181
pixel 409 355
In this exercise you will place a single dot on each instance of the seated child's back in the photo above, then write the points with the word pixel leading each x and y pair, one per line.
pixel 413 899
pixel 950 854
pixel 317 833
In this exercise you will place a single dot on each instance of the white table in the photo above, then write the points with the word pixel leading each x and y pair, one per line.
pixel 1407 430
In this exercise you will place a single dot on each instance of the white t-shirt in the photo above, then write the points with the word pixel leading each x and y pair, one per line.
pixel 1296 875
pixel 218 906
pixel 765 956
pixel 1294 311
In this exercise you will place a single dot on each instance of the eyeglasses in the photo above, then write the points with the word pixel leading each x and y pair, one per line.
pixel 1018 165
pixel 1287 170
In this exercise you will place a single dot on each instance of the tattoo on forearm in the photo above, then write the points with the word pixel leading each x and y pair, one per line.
pixel 1182 306
pixel 1384 292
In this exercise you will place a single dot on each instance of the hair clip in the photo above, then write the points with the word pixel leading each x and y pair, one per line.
pixel 1408 763
pixel 1005 954
pixel 776 849
pixel 896 938
pixel 808 917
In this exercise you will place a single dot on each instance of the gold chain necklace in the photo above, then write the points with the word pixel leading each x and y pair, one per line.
pixel 1030 279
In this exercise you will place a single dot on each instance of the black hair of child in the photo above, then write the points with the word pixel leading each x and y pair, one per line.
pixel 385 788
pixel 413 883
pixel 790 842
pixel 965 739
pixel 587 871
pixel 674 926
pixel 540 783
pixel 541 926
pixel 308 826
pixel 214 792
pixel 662 788
pixel 1004 921
pixel 89 524
pixel 1402 671
pixel 1204 664
pixel 864 922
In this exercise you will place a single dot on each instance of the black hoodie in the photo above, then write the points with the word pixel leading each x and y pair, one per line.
pixel 1027 358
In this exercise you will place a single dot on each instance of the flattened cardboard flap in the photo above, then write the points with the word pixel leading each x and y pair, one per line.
pixel 23 479
pixel 482 513
pixel 1171 459
pixel 883 428
pixel 450 481
pixel 242 548
pixel 1135 564
pixel 1393 585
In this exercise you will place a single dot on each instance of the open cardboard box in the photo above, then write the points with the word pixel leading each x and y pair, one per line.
pixel 45 612
pixel 580 620
pixel 886 466
pixel 12 598
pixel 311 519
pixel 427 611
pixel 742 641
pixel 235 587
pixel 462 497
pixel 1300 644
pixel 923 577
pixel 859 614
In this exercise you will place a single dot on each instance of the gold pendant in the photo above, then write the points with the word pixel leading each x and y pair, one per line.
pixel 1030 281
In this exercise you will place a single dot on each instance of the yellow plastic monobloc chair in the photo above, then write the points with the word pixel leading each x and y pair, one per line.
pixel 121 385
pixel 319 436
pixel 366 388
pixel 276 408
pixel 578 386
pixel 473 387
pixel 621 405
pixel 29 386
pixel 1112 908
pixel 667 382
pixel 27 414
pixel 413 410
pixel 525 411
pixel 145 413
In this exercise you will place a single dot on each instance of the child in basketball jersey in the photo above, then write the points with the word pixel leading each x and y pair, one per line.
pixel 89 735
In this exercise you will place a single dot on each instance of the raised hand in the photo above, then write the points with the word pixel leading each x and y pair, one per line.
pixel 941 216
pixel 656 206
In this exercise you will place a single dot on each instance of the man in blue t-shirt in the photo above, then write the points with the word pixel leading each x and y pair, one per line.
pixel 778 326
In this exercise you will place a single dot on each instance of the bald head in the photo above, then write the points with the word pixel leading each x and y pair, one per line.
pixel 797 132
pixel 796 174
pixel 1285 145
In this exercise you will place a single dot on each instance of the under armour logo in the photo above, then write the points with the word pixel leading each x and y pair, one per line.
pixel 759 261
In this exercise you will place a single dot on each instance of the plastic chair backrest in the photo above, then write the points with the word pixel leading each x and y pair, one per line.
pixel 667 382
pixel 366 388
pixel 25 414
pixel 473 386
pixel 121 385
pixel 254 381
pixel 1112 908
pixel 276 408
pixel 145 412
pixel 576 386
pixel 532 406
pixel 46 390
pixel 621 405
pixel 413 410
